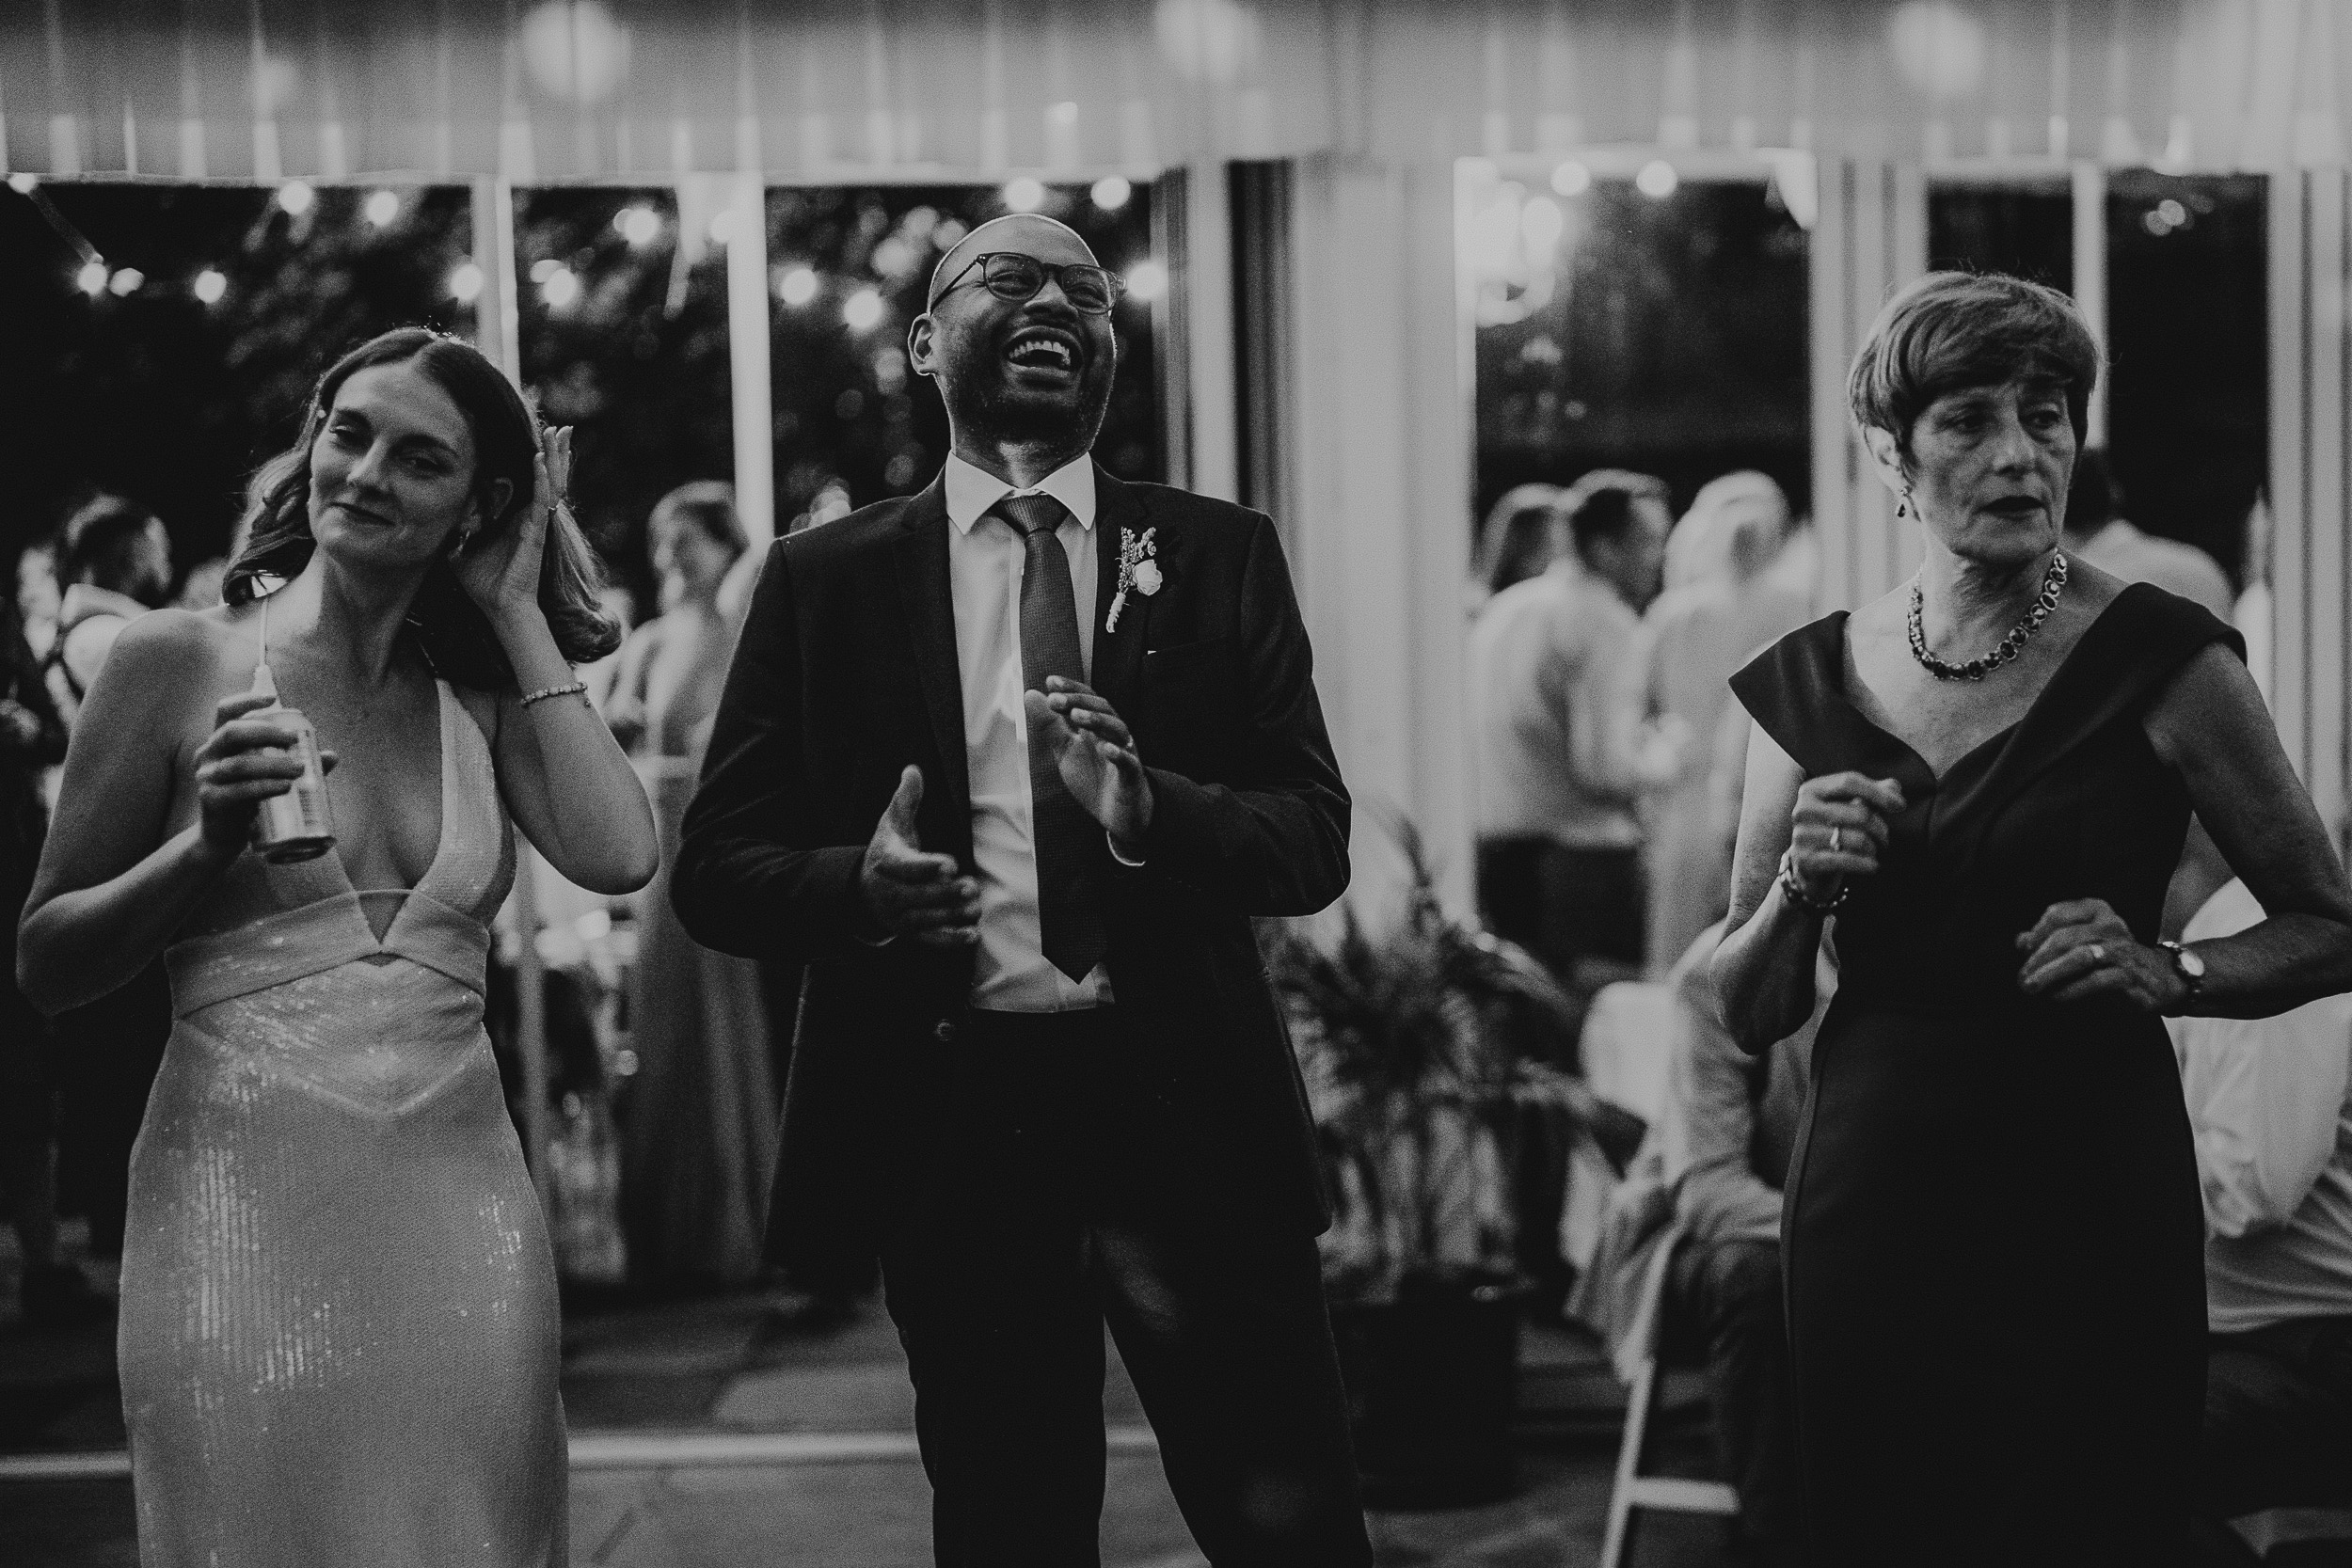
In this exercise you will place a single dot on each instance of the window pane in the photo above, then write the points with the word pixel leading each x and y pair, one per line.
pixel 1618 329
pixel 849 271
pixel 2188 354
pixel 624 322
pixel 2026 231
pixel 167 371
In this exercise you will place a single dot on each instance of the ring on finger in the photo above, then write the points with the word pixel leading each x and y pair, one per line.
pixel 2098 953
pixel 1837 840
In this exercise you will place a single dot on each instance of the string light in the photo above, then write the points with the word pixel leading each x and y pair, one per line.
pixel 126 281
pixel 797 286
pixel 211 287
pixel 1111 192
pixel 91 279
pixel 1024 195
pixel 465 282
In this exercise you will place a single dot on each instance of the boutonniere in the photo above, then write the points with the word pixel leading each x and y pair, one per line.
pixel 1138 569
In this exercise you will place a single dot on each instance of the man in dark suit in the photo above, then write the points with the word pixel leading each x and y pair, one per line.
pixel 1010 763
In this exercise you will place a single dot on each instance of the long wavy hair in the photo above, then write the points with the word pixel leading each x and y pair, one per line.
pixel 451 628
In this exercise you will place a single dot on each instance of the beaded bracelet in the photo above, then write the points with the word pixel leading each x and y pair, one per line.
pixel 1795 889
pixel 544 694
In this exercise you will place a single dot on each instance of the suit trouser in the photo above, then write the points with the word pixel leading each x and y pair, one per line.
pixel 1725 1297
pixel 1041 1222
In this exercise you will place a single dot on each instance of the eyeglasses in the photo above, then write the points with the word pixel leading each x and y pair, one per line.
pixel 1009 275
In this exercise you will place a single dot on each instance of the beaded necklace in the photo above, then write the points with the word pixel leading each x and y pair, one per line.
pixel 2053 584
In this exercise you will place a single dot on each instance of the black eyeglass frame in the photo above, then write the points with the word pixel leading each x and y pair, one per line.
pixel 1113 285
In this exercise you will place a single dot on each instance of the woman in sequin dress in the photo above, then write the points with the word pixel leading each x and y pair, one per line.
pixel 338 1337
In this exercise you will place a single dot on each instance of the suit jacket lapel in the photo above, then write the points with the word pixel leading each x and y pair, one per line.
pixel 920 553
pixel 1118 666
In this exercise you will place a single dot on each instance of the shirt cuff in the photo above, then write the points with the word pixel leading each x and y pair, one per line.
pixel 1114 852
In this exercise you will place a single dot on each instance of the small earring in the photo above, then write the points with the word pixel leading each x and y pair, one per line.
pixel 1904 508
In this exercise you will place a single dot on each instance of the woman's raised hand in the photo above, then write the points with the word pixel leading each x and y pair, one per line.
pixel 501 574
pixel 1839 829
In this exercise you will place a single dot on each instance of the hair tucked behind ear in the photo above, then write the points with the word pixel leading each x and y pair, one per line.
pixel 455 634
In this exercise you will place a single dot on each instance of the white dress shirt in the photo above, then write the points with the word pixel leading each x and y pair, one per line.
pixel 985 561
pixel 2270 1100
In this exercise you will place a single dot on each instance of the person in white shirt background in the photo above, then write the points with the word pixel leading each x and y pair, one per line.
pixel 2271 1103
pixel 1551 730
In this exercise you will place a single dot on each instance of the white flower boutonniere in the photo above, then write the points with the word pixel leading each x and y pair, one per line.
pixel 1138 569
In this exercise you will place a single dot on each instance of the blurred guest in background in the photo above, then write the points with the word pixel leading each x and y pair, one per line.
pixel 1708 1184
pixel 1693 638
pixel 1523 534
pixel 37 596
pixel 1992 1246
pixel 2270 1100
pixel 698 1138
pixel 116 565
pixel 200 588
pixel 1552 684
pixel 54 1292
pixel 116 562
pixel 2097 533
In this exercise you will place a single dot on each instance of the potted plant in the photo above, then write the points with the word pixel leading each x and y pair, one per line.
pixel 1428 1053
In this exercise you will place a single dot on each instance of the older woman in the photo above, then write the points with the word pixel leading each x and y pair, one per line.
pixel 340 1341
pixel 1992 1238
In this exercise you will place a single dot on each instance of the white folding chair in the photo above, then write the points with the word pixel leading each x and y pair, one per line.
pixel 1666 1493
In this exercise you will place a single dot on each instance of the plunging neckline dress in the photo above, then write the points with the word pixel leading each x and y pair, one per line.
pixel 1991 1242
pixel 338 1339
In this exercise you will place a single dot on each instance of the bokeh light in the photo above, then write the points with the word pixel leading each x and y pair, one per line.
pixel 211 286
pixel 797 286
pixel 560 288
pixel 721 225
pixel 296 196
pixel 1657 180
pixel 1571 179
pixel 575 50
pixel 465 282
pixel 1111 192
pixel 1024 195
pixel 382 208
pixel 545 268
pixel 23 185
pixel 91 279
pixel 638 226
pixel 863 311
pixel 1146 281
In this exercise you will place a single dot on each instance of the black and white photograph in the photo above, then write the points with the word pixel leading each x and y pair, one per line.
pixel 1176 783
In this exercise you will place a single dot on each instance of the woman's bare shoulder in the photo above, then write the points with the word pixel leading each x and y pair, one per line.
pixel 170 651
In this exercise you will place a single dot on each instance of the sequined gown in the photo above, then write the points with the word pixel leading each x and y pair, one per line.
pixel 338 1337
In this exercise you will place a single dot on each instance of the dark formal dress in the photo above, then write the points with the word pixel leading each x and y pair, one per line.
pixel 1992 1239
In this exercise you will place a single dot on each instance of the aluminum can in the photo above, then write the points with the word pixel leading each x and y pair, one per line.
pixel 299 825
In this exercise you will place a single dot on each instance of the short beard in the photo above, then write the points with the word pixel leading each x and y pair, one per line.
pixel 984 415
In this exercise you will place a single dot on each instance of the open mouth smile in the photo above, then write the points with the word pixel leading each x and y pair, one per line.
pixel 1039 348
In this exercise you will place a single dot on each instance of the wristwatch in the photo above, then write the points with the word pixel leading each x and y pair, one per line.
pixel 2191 969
